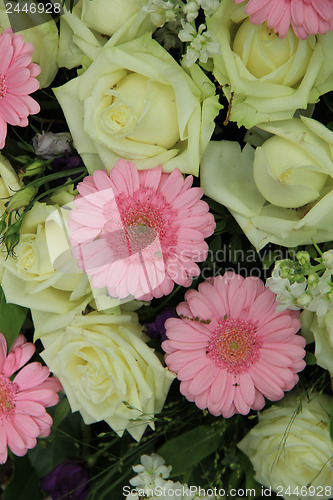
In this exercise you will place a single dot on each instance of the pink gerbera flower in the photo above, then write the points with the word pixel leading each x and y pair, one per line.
pixel 307 17
pixel 17 80
pixel 231 348
pixel 139 232
pixel 23 400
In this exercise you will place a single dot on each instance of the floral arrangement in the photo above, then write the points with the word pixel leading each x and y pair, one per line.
pixel 166 260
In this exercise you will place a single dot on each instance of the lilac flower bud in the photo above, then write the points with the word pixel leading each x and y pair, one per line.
pixel 68 480
pixel 47 144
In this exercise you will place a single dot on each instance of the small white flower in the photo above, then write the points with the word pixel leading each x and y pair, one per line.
pixel 202 44
pixel 286 293
pixel 151 468
pixel 323 295
pixel 161 11
pixel 191 9
pixel 152 476
pixel 209 6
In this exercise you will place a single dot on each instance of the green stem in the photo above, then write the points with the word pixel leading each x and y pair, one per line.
pixel 53 177
pixel 316 247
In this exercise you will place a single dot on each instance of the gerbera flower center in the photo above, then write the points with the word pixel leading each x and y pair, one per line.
pixel 3 86
pixel 234 345
pixel 7 397
pixel 145 216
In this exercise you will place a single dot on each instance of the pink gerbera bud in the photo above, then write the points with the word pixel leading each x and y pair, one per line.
pixel 17 80
pixel 23 417
pixel 139 232
pixel 307 17
pixel 230 347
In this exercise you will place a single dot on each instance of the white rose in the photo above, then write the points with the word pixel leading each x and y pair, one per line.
pixel 9 182
pixel 88 27
pixel 107 16
pixel 42 34
pixel 108 371
pixel 291 447
pixel 281 193
pixel 30 278
pixel 135 102
pixel 321 328
pixel 266 78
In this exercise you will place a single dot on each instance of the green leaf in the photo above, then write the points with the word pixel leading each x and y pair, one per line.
pixel 12 318
pixel 220 226
pixel 24 483
pixel 188 449
pixel 310 358
pixel 331 422
pixel 61 412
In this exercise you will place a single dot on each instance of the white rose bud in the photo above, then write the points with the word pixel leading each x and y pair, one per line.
pixel 291 449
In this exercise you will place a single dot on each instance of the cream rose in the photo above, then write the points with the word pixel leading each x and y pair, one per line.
pixel 92 22
pixel 265 77
pixel 108 371
pixel 291 447
pixel 135 102
pixel 41 31
pixel 53 289
pixel 321 328
pixel 9 182
pixel 287 196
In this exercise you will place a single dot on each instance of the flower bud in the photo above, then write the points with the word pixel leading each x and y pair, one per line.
pixel 11 238
pixel 35 168
pixel 303 258
pixel 21 199
pixel 313 280
pixel 327 259
pixel 47 145
pixel 304 300
pixel 285 268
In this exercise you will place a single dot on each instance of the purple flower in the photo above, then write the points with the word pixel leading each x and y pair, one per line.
pixel 68 481
pixel 66 163
pixel 156 329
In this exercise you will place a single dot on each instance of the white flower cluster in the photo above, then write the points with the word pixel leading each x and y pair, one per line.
pixel 152 482
pixel 203 44
pixel 313 293
pixel 191 8
pixel 161 11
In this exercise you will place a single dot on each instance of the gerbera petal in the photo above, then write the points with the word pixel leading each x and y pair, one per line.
pixel 246 388
pixel 253 355
pixel 31 375
pixel 218 387
pixel 3 445
pixel 189 370
pixel 204 379
pixel 26 425
pixel 154 247
pixel 179 358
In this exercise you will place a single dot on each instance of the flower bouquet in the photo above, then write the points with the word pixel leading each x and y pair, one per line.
pixel 166 260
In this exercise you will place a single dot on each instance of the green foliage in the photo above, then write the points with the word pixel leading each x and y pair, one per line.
pixel 11 319
pixel 24 483
pixel 188 449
